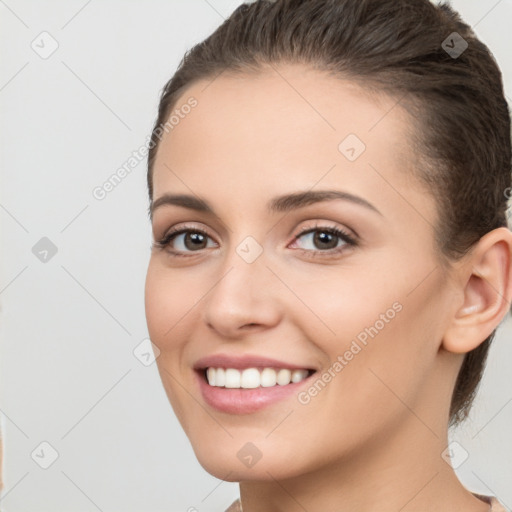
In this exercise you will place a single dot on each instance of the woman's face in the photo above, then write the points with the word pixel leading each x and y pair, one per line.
pixel 260 280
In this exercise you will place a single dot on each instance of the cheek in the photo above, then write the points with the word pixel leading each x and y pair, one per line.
pixel 378 337
pixel 167 301
pixel 166 306
pixel 345 303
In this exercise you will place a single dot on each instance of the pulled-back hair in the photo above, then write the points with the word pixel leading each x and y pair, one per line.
pixel 423 55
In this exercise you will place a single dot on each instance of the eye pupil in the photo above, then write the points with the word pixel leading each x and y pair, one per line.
pixel 323 237
pixel 196 238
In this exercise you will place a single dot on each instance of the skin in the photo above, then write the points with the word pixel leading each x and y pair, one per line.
pixel 372 439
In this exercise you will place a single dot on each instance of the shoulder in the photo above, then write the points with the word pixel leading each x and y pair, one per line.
pixel 496 506
pixel 236 507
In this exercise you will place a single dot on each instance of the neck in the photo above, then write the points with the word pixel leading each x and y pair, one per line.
pixel 399 471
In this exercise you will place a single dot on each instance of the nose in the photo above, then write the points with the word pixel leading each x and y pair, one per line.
pixel 244 297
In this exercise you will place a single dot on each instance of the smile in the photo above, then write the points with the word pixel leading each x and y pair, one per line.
pixel 246 383
pixel 251 378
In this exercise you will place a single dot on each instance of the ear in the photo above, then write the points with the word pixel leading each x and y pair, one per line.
pixel 486 282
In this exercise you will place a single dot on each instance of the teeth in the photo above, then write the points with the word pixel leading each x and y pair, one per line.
pixel 284 377
pixel 268 378
pixel 233 378
pixel 220 376
pixel 251 378
pixel 210 375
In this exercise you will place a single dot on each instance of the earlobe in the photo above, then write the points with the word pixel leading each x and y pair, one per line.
pixel 486 282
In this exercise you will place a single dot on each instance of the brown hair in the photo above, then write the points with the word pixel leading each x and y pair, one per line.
pixel 400 47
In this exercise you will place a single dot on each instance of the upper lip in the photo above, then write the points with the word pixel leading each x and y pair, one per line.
pixel 245 361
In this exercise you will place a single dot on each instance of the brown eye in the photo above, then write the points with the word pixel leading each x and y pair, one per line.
pixel 325 239
pixel 194 240
pixel 322 239
pixel 184 240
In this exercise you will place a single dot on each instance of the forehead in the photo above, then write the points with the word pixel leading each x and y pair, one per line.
pixel 288 126
pixel 286 103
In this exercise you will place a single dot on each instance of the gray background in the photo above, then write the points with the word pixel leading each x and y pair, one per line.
pixel 69 325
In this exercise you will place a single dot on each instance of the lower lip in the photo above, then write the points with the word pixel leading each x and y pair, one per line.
pixel 245 401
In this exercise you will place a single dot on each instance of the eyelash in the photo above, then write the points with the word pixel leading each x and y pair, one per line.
pixel 349 240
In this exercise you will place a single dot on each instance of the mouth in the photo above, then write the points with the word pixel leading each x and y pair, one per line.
pixel 246 384
pixel 252 378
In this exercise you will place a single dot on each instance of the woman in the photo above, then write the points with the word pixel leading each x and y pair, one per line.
pixel 328 189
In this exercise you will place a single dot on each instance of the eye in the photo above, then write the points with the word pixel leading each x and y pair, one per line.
pixel 184 240
pixel 322 240
pixel 325 239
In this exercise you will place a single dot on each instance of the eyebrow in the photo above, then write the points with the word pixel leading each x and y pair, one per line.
pixel 284 203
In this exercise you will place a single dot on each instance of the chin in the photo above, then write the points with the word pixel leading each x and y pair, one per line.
pixel 230 472
pixel 241 460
